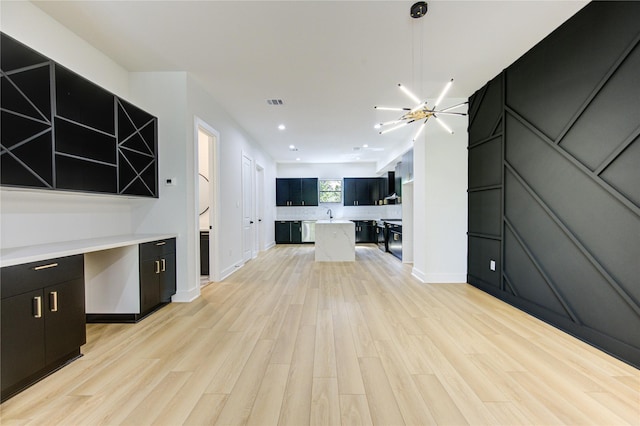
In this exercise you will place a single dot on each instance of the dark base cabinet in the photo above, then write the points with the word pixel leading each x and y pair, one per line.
pixel 288 232
pixel 42 320
pixel 157 274
pixel 157 282
pixel 366 231
pixel 394 240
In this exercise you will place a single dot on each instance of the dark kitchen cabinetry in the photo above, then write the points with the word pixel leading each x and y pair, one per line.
pixel 394 240
pixel 288 232
pixel 364 191
pixel 157 274
pixel 62 132
pixel 365 231
pixel 296 191
pixel 42 319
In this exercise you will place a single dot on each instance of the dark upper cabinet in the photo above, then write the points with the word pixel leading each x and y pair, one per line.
pixel 364 191
pixel 81 138
pixel 296 191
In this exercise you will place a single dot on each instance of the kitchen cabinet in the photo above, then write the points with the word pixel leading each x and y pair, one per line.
pixel 365 231
pixel 364 191
pixel 157 274
pixel 64 132
pixel 296 191
pixel 394 240
pixel 288 232
pixel 42 319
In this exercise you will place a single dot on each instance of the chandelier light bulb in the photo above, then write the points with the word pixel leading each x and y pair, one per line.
pixel 444 92
pixel 444 126
pixel 411 96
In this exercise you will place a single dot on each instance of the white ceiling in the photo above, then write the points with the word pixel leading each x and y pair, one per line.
pixel 329 61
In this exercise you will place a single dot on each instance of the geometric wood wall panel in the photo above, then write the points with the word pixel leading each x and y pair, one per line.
pixel 623 173
pixel 592 141
pixel 485 212
pixel 486 119
pixel 570 167
pixel 485 163
pixel 61 131
pixel 481 252
pixel 579 285
pixel 558 76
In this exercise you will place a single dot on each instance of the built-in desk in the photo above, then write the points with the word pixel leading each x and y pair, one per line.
pixel 111 271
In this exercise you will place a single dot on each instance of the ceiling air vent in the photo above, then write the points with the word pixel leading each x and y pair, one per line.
pixel 275 102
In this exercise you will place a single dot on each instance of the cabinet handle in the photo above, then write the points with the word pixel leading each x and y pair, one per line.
pixel 157 266
pixel 395 237
pixel 53 301
pixel 161 243
pixel 164 264
pixel 303 203
pixel 50 265
pixel 37 307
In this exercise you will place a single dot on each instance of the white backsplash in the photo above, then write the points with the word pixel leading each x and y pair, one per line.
pixel 390 211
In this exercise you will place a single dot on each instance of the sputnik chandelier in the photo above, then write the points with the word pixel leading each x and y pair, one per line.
pixel 421 111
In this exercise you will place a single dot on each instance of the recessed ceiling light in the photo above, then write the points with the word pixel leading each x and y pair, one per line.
pixel 377 126
pixel 292 148
pixel 298 159
pixel 365 146
pixel 281 126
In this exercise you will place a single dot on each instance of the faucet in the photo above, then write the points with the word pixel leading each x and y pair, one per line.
pixel 330 214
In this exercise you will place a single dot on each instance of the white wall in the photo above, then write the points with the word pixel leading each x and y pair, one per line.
pixel 440 204
pixel 38 217
pixel 33 217
pixel 233 143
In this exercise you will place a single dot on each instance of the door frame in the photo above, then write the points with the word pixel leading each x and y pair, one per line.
pixel 259 205
pixel 250 209
pixel 214 197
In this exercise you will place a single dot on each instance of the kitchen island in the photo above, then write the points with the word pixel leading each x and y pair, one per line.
pixel 335 241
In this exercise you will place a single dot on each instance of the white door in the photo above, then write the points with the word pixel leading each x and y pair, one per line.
pixel 247 209
pixel 259 239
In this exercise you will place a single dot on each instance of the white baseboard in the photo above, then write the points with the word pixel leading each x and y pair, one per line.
pixel 270 245
pixel 186 296
pixel 230 270
pixel 429 278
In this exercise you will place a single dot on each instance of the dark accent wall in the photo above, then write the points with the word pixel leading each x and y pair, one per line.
pixel 554 180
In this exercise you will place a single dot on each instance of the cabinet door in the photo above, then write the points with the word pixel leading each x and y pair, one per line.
pixel 309 191
pixel 295 192
pixel 167 277
pixel 282 192
pixel 296 232
pixel 283 232
pixel 149 284
pixel 349 188
pixel 363 192
pixel 22 329
pixel 65 320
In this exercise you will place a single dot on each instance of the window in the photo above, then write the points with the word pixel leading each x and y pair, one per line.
pixel 330 191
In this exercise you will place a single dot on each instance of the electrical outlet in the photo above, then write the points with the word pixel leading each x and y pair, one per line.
pixel 492 265
pixel 170 181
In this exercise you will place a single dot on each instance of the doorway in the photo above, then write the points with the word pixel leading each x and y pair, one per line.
pixel 207 211
pixel 259 238
pixel 247 208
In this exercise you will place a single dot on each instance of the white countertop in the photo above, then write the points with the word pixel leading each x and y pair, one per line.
pixel 19 255
pixel 333 221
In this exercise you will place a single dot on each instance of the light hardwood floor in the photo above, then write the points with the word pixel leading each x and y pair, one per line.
pixel 289 341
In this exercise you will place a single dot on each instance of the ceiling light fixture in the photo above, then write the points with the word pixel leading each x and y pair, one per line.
pixel 281 127
pixel 422 111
